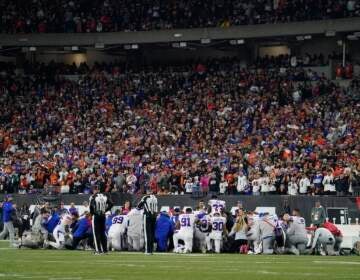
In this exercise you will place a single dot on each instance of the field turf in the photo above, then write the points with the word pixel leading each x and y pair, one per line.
pixel 78 265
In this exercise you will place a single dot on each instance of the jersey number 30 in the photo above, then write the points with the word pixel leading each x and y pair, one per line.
pixel 218 226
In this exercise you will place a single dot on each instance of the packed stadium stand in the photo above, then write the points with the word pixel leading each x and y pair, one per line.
pixel 133 15
pixel 174 129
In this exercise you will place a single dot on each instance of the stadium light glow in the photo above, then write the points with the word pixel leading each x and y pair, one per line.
pixel 330 33
pixel 99 45
pixel 205 41
pixel 352 37
pixel 237 42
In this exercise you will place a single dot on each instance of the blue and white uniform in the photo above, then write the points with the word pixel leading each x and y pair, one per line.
pixel 202 230
pixel 186 232
pixel 117 231
pixel 59 232
pixel 218 224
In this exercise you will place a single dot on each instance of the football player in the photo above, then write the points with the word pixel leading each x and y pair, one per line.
pixel 60 232
pixel 216 204
pixel 218 228
pixel 116 235
pixel 202 230
pixel 135 230
pixel 185 226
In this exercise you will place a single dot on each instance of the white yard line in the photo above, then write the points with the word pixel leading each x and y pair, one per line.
pixel 337 262
pixel 65 278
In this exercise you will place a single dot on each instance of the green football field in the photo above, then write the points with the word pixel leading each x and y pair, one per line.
pixel 78 265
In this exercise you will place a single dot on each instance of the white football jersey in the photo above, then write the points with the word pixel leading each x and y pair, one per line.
pixel 218 225
pixel 187 223
pixel 204 223
pixel 119 224
pixel 216 205
pixel 66 220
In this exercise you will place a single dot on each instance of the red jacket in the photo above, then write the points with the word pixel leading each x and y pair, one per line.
pixel 332 228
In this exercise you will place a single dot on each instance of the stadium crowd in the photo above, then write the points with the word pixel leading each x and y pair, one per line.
pixel 210 127
pixel 42 16
pixel 207 228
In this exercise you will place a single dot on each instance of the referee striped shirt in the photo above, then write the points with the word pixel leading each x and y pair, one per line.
pixel 149 203
pixel 99 204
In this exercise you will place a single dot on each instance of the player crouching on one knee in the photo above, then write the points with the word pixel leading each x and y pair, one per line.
pixel 116 234
pixel 185 232
pixel 296 234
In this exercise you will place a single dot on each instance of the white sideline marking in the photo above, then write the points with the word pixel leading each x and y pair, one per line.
pixel 291 273
pixel 271 262
pixel 65 278
pixel 337 262
pixel 268 272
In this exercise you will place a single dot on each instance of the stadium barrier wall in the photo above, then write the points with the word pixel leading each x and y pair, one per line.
pixel 304 203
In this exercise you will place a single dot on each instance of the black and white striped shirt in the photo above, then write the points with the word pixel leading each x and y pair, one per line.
pixel 99 204
pixel 149 203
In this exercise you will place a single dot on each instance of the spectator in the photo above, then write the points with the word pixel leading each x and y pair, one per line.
pixel 124 15
pixel 136 135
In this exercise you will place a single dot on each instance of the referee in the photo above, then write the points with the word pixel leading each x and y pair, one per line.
pixel 150 205
pixel 100 203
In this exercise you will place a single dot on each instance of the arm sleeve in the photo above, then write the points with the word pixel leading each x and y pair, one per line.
pixel 76 226
pixel 92 205
pixel 141 204
pixel 324 215
pixel 291 230
pixel 109 203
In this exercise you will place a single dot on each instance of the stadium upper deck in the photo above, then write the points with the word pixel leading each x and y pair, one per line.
pixel 56 16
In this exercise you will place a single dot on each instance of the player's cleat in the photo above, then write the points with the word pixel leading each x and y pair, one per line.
pixel 148 254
